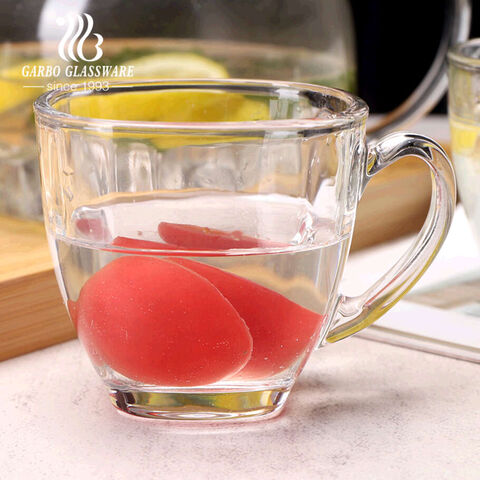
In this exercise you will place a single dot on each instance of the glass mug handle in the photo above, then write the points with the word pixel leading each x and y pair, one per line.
pixel 352 314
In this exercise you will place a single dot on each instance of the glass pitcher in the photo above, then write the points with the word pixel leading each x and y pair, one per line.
pixel 50 43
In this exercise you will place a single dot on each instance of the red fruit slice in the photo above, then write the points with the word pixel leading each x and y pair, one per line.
pixel 157 322
pixel 281 330
pixel 203 238
pixel 92 228
pixel 134 243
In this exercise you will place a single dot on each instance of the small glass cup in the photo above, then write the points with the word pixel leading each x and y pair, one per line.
pixel 464 116
pixel 199 231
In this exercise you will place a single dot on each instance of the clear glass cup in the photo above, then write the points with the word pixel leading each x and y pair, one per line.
pixel 199 231
pixel 464 116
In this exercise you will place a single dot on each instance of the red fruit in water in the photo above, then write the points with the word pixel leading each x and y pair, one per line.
pixel 281 330
pixel 157 322
pixel 135 243
pixel 92 228
pixel 203 238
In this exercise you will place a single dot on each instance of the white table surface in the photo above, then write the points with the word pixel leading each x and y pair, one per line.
pixel 360 410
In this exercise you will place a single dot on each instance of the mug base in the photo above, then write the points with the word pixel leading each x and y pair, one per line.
pixel 253 405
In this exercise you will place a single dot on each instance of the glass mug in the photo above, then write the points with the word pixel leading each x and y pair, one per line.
pixel 199 231
pixel 464 116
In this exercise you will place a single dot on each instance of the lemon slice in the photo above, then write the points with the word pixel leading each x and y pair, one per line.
pixel 12 90
pixel 190 105
pixel 465 138
pixel 170 106
pixel 177 65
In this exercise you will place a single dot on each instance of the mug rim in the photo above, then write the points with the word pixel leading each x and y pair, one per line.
pixel 457 56
pixel 354 114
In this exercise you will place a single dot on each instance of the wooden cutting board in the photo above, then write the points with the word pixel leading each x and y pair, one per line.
pixel 32 314
pixel 395 203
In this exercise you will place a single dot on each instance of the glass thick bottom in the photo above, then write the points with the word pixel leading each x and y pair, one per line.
pixel 258 404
